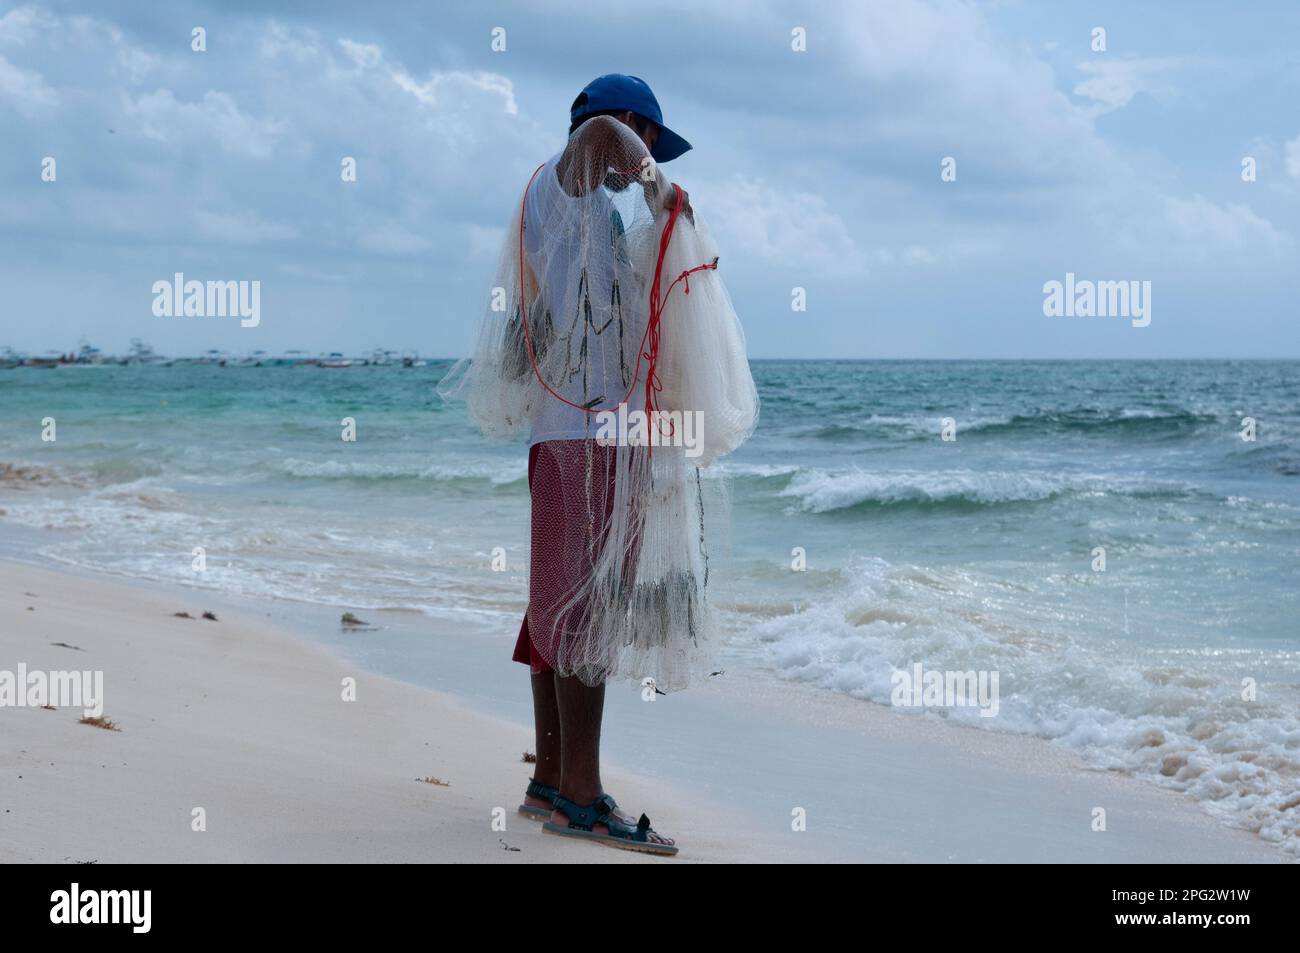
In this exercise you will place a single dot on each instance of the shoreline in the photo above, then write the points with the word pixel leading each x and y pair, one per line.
pixel 243 718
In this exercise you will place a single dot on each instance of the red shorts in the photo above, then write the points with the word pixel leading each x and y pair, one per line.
pixel 570 511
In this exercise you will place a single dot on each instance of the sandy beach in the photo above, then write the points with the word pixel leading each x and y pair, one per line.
pixel 246 722
pixel 243 718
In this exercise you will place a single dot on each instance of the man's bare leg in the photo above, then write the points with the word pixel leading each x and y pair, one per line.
pixel 546 719
pixel 582 709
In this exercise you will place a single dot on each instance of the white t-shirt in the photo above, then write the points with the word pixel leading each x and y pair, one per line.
pixel 562 234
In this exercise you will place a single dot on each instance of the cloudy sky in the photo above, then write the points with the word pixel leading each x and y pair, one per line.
pixel 817 169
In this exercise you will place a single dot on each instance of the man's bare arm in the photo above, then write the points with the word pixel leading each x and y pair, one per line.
pixel 598 145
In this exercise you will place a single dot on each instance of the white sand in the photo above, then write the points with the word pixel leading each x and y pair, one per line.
pixel 246 721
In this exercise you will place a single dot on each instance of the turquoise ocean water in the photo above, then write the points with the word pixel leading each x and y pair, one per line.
pixel 970 554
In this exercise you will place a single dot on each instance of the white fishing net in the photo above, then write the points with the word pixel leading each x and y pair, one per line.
pixel 580 333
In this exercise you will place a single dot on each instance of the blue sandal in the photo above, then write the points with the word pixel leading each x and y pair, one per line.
pixel 543 791
pixel 582 818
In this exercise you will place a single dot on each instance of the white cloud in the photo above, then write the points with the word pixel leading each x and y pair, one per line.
pixel 457 81
pixel 364 55
pixel 1228 226
pixel 215 118
pixel 1113 82
pixel 135 63
pixel 1293 157
pixel 25 90
pixel 937 80
pixel 782 226
pixel 19 26
pixel 276 41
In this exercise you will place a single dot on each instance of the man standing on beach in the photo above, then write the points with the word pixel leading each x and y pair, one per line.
pixel 618 574
pixel 567 712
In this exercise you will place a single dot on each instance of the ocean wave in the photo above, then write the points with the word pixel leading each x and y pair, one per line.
pixel 1280 458
pixel 1158 716
pixel 13 475
pixel 113 470
pixel 919 426
pixel 1127 422
pixel 761 471
pixel 371 562
pixel 819 491
pixel 497 474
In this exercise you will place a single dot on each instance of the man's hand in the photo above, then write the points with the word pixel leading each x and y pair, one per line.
pixel 660 186
pixel 686 203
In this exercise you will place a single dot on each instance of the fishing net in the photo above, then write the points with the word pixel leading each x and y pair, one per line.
pixel 611 342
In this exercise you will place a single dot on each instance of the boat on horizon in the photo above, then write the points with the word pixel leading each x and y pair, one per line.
pixel 336 359
pixel 211 356
pixel 142 353
pixel 252 359
pixel 88 356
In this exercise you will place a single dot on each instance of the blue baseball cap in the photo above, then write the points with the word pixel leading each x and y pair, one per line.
pixel 619 91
